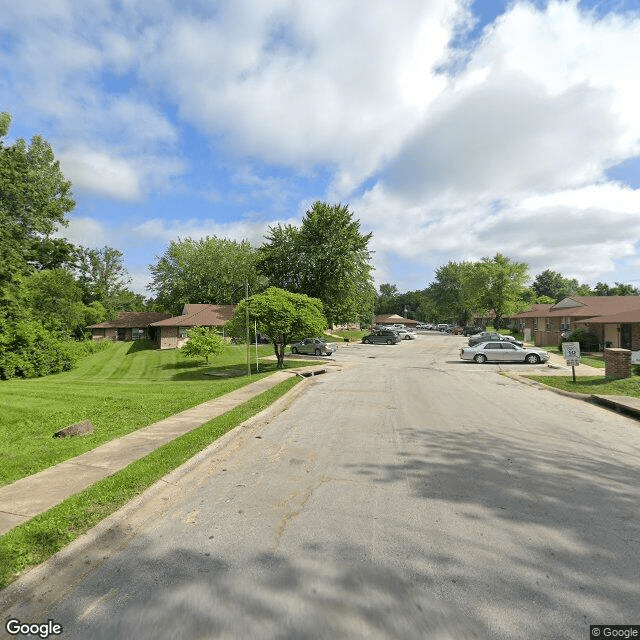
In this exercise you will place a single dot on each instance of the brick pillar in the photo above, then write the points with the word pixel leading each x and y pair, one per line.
pixel 617 363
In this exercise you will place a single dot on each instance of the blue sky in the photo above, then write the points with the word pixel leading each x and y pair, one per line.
pixel 452 129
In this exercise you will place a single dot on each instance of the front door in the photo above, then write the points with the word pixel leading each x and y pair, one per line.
pixel 625 336
pixel 121 334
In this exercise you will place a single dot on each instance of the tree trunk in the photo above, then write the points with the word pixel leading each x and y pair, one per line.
pixel 280 356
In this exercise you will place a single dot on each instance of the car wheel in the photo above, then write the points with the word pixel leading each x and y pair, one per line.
pixel 294 350
pixel 532 358
pixel 389 341
pixel 480 358
pixel 366 341
pixel 318 352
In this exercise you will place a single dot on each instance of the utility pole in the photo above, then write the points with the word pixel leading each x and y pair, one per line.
pixel 246 299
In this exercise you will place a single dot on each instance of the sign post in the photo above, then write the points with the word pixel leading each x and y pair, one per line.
pixel 571 353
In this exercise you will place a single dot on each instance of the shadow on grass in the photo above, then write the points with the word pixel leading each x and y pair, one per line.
pixel 204 371
pixel 140 345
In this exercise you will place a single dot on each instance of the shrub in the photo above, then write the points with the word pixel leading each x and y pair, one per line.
pixel 587 339
pixel 28 350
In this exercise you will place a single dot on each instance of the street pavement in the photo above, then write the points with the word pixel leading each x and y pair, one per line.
pixel 404 494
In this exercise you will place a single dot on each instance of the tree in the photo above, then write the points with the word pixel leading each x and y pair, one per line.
pixel 203 342
pixel 54 298
pixel 387 299
pixel 454 294
pixel 34 199
pixel 280 315
pixel 210 270
pixel 101 273
pixel 500 284
pixel 619 289
pixel 326 258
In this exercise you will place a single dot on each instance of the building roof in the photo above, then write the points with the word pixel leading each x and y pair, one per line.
pixel 200 315
pixel 614 318
pixel 131 319
pixel 584 307
pixel 392 318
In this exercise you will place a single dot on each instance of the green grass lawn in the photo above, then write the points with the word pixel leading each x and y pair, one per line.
pixel 36 540
pixel 353 335
pixel 593 385
pixel 125 387
pixel 592 361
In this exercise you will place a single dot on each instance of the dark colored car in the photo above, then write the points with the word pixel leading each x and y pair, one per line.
pixel 471 330
pixel 486 336
pixel 384 336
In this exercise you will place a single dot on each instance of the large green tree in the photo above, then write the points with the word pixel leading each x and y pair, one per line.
pixel 327 257
pixel 500 283
pixel 101 272
pixel 280 315
pixel 210 270
pixel 34 199
pixel 454 294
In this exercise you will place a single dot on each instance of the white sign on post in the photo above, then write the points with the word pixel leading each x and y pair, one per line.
pixel 571 353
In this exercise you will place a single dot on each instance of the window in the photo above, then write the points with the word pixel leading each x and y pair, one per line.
pixel 137 333
pixel 535 324
pixel 547 322
pixel 182 332
pixel 507 345
pixel 564 324
pixel 492 345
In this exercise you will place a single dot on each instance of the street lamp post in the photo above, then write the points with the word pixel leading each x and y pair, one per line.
pixel 246 300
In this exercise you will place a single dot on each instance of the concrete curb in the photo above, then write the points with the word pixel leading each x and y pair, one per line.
pixel 621 404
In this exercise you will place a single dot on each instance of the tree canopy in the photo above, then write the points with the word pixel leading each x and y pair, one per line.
pixel 202 343
pixel 282 316
pixel 327 257
pixel 500 284
pixel 34 199
pixel 210 270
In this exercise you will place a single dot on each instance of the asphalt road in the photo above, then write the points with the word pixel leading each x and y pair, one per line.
pixel 405 494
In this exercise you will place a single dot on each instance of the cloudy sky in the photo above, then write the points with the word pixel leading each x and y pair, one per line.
pixel 453 129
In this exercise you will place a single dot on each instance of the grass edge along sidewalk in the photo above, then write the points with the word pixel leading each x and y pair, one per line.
pixel 33 542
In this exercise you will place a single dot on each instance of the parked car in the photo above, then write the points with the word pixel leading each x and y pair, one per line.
pixel 384 336
pixel 454 329
pixel 485 336
pixel 471 330
pixel 443 326
pixel 503 351
pixel 314 346
pixel 406 334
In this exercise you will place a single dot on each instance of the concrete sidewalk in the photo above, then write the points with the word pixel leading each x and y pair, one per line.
pixel 34 494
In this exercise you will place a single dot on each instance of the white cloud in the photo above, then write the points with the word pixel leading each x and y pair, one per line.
pixel 121 178
pixel 492 157
pixel 160 231
pixel 301 84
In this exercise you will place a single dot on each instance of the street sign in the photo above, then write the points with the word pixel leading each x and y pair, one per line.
pixel 571 353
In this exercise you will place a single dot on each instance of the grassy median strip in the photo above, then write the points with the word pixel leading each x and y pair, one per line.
pixel 36 540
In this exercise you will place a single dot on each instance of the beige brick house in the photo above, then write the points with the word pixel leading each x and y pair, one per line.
pixel 615 320
pixel 129 325
pixel 171 333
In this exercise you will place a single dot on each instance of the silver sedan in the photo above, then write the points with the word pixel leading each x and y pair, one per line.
pixel 314 346
pixel 503 352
